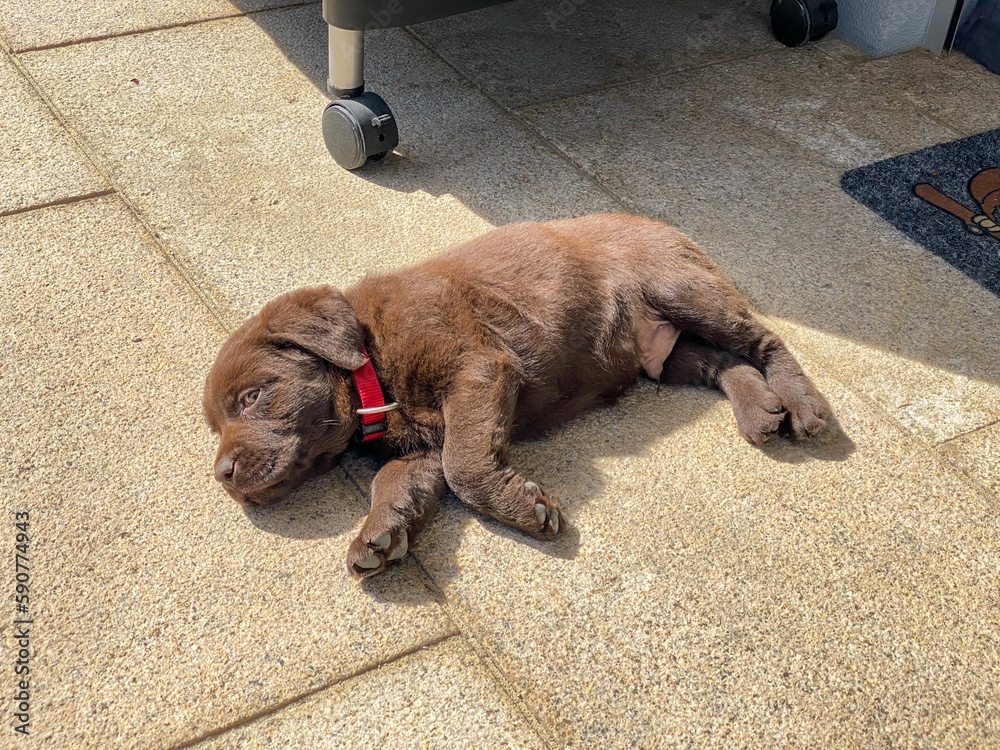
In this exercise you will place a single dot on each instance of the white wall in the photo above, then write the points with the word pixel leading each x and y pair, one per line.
pixel 884 27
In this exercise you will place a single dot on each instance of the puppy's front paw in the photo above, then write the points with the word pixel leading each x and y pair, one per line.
pixel 373 550
pixel 548 518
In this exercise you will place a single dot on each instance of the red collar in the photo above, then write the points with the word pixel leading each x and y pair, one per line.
pixel 373 405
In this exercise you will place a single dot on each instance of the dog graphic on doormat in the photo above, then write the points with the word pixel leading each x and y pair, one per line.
pixel 984 187
pixel 944 197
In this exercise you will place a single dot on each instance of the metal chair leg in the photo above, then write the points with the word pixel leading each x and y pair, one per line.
pixel 346 77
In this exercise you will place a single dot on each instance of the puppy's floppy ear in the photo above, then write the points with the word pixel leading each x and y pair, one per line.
pixel 320 320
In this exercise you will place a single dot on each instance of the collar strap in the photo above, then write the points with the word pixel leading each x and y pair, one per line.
pixel 373 405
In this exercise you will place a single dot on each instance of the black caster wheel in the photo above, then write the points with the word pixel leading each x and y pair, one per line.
pixel 795 22
pixel 359 129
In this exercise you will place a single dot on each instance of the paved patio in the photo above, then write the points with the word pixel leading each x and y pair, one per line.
pixel 162 174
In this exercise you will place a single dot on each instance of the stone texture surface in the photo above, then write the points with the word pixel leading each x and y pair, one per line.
pixel 953 89
pixel 39 163
pixel 836 593
pixel 150 588
pixel 748 160
pixel 45 23
pixel 978 455
pixel 533 50
pixel 441 697
pixel 237 181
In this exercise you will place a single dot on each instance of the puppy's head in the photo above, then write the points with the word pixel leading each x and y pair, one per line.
pixel 279 394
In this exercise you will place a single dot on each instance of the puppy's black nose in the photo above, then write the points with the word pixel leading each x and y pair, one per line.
pixel 225 469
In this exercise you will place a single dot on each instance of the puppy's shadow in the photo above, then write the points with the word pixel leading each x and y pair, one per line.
pixel 460 517
pixel 833 444
pixel 323 507
pixel 395 587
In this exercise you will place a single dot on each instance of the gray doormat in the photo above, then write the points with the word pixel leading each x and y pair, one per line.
pixel 947 198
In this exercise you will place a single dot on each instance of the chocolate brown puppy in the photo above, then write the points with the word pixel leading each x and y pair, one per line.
pixel 498 338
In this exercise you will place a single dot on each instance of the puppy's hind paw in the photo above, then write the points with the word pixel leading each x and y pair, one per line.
pixel 807 410
pixel 758 409
pixel 761 420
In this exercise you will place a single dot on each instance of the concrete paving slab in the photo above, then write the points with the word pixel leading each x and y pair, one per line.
pixel 530 51
pixel 953 89
pixel 746 157
pixel 46 23
pixel 161 610
pixel 801 97
pixel 236 179
pixel 39 163
pixel 840 50
pixel 440 697
pixel 978 455
pixel 836 593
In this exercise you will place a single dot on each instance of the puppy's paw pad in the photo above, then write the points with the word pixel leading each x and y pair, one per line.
pixel 367 557
pixel 548 519
pixel 369 562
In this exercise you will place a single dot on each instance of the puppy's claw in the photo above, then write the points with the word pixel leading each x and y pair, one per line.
pixel 553 520
pixel 540 512
pixel 401 548
pixel 763 437
pixel 369 563
pixel 382 541
pixel 532 487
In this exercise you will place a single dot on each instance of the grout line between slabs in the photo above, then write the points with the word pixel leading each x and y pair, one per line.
pixel 523 125
pixel 919 444
pixel 940 120
pixel 973 431
pixel 150 29
pixel 500 677
pixel 61 202
pixel 89 153
pixel 275 708
pixel 468 633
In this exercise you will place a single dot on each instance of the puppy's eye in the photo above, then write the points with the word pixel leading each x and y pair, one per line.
pixel 249 398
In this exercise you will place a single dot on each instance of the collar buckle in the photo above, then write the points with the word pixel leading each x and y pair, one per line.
pixel 373 405
pixel 378 409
